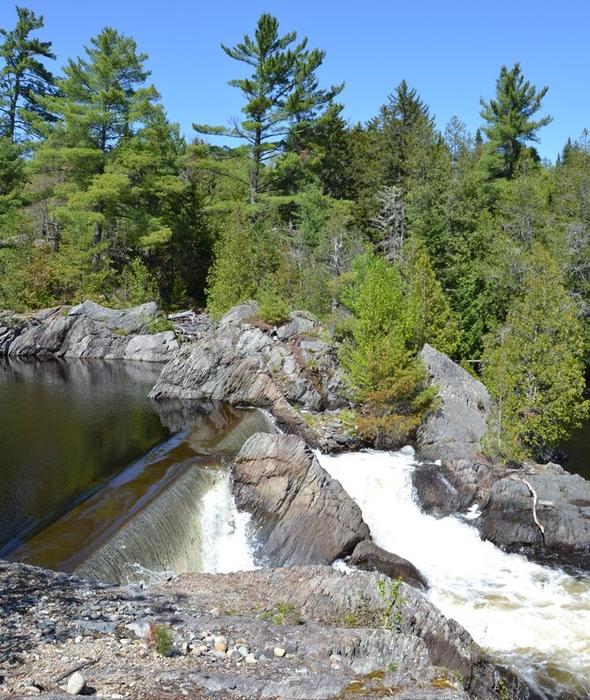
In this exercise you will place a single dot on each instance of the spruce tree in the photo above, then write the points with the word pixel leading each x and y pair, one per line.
pixel 24 77
pixel 282 94
pixel 533 366
pixel 509 124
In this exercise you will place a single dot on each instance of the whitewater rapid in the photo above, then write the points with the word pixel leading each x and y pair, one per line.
pixel 533 618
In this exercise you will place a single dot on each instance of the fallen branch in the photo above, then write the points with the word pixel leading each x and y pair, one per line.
pixel 535 501
pixel 79 667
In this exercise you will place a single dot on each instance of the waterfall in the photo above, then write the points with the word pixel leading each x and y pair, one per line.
pixel 531 617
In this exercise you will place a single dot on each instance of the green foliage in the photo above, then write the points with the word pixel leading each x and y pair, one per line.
pixel 162 637
pixel 429 318
pixel 24 78
pixel 274 308
pixel 393 600
pixel 282 93
pixel 245 255
pixel 509 123
pixel 389 381
pixel 533 366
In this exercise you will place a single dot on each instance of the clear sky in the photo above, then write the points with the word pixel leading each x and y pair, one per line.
pixel 450 50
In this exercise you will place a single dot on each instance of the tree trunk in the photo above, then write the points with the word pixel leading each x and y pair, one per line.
pixel 255 172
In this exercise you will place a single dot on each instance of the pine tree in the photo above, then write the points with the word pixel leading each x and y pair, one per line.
pixel 24 77
pixel 509 123
pixel 282 95
pixel 103 100
pixel 533 366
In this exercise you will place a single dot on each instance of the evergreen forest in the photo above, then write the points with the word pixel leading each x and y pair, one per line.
pixel 393 232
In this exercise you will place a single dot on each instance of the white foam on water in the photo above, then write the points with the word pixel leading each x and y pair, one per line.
pixel 532 617
pixel 224 543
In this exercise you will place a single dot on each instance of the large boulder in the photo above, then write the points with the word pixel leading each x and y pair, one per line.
pixel 88 331
pixel 299 513
pixel 541 511
pixel 454 431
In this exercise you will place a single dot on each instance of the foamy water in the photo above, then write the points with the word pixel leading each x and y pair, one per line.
pixel 224 540
pixel 531 617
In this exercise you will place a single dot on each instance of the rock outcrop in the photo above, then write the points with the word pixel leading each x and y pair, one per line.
pixel 298 632
pixel 244 362
pixel 455 429
pixel 299 513
pixel 88 331
pixel 542 511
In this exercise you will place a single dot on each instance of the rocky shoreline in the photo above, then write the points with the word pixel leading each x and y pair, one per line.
pixel 293 632
pixel 361 634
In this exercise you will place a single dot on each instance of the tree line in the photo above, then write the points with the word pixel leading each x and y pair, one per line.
pixel 394 232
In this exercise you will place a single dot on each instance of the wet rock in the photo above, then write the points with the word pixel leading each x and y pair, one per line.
pixel 301 515
pixel 368 556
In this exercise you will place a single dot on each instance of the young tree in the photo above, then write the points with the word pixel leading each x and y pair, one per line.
pixel 533 367
pixel 282 94
pixel 24 77
pixel 389 381
pixel 428 318
pixel 509 124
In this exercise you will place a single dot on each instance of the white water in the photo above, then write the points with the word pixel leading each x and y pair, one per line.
pixel 531 617
pixel 224 539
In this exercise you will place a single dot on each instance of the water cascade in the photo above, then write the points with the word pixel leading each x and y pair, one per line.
pixel 531 617
pixel 170 512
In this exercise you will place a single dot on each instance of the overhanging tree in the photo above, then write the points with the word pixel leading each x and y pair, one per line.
pixel 282 94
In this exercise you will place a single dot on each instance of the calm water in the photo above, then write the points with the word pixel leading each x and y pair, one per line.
pixel 577 449
pixel 65 429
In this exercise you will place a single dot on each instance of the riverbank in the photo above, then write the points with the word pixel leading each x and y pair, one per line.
pixel 296 632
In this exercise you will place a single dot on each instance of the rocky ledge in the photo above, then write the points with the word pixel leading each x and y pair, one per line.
pixel 297 632
pixel 89 331
pixel 541 511
pixel 288 369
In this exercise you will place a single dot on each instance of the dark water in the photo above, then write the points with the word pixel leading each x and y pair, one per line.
pixel 577 449
pixel 65 429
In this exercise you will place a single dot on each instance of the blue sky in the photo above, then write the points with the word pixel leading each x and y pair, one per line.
pixel 450 50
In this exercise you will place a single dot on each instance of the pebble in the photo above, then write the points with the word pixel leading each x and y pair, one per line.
pixel 280 652
pixel 76 683
pixel 250 659
pixel 244 651
pixel 234 654
pixel 220 643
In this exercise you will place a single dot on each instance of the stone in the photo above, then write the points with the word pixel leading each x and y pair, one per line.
pixel 220 644
pixel 454 431
pixel 243 362
pixel 250 659
pixel 300 514
pixel 368 556
pixel 76 683
pixel 280 652
pixel 141 628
